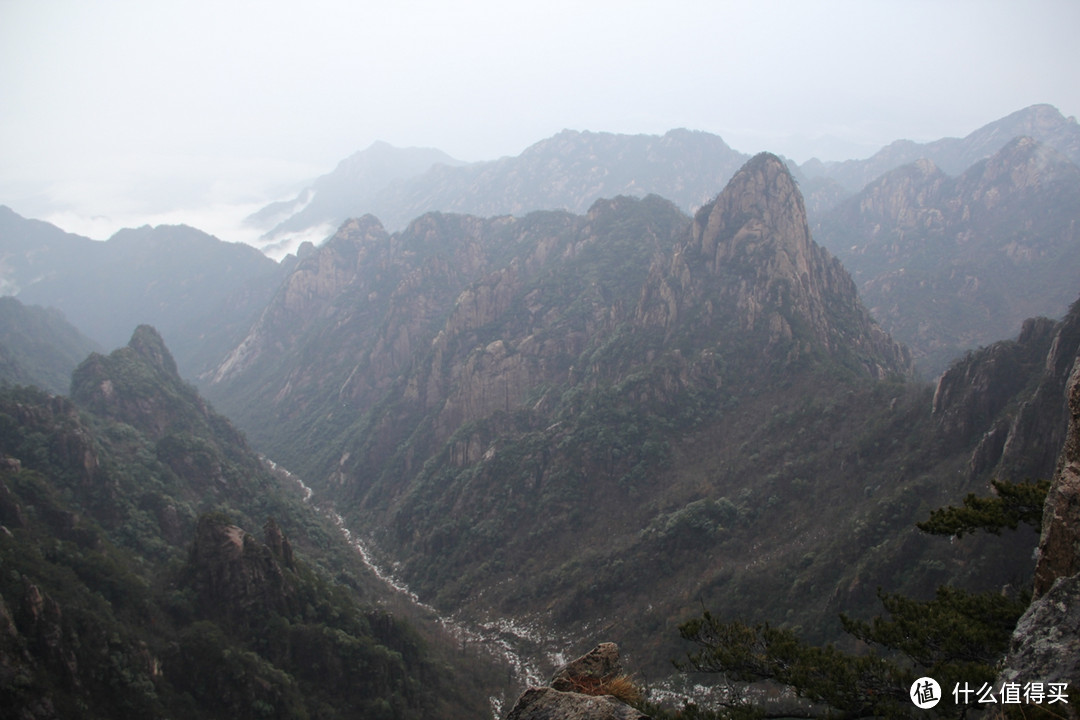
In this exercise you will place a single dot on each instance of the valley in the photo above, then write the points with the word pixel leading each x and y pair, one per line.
pixel 680 379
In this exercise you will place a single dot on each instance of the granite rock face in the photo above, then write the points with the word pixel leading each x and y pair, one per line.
pixel 1059 546
pixel 1046 643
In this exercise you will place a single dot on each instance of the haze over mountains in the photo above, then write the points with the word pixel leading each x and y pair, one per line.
pixel 574 394
pixel 572 170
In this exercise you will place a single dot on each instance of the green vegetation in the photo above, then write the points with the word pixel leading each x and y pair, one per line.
pixel 119 593
pixel 1013 503
pixel 957 637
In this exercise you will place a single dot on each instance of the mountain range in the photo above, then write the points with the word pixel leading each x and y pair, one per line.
pixel 543 417
pixel 572 424
pixel 573 169
pixel 950 263
pixel 570 171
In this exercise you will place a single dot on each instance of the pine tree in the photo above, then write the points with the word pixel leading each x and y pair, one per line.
pixel 956 637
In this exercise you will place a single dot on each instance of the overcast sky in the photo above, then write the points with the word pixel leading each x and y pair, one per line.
pixel 115 113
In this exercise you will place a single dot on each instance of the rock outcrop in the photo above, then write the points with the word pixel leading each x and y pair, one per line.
pixel 581 690
pixel 1059 545
pixel 1046 643
pixel 235 577
pixel 137 384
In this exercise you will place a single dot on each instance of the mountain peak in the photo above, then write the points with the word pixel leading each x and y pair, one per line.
pixel 139 385
pixel 761 204
pixel 148 344
pixel 755 243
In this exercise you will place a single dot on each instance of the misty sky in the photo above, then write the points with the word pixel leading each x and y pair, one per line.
pixel 116 113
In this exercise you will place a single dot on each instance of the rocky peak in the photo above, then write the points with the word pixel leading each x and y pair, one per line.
pixel 1042 122
pixel 1021 168
pixel 754 243
pixel 138 384
pixel 760 205
pixel 147 343
pixel 899 197
pixel 321 275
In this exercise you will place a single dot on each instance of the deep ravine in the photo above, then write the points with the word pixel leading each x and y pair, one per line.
pixel 529 650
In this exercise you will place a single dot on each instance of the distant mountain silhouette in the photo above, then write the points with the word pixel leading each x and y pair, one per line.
pixel 1043 123
pixel 569 171
pixel 198 290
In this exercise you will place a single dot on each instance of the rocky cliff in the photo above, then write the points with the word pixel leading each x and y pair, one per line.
pixel 756 245
pixel 1046 644
pixel 1007 400
pixel 1059 546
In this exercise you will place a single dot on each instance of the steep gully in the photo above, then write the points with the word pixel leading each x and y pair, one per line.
pixel 517 645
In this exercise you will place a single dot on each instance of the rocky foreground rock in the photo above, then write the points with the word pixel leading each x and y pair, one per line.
pixel 581 690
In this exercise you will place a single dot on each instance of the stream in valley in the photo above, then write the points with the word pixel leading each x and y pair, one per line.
pixel 529 651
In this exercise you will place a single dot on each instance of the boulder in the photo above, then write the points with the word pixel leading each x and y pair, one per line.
pixel 550 704
pixel 582 690
pixel 600 663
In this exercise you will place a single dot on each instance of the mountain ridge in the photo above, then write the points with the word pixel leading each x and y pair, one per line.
pixel 572 168
pixel 567 171
pixel 950 263
pixel 198 290
pixel 955 155
pixel 631 359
